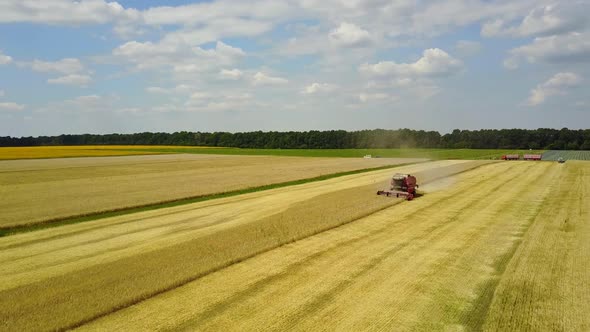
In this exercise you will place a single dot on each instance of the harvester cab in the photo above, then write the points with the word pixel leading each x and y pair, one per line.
pixel 402 185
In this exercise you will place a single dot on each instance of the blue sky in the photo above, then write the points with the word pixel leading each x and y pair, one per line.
pixel 94 66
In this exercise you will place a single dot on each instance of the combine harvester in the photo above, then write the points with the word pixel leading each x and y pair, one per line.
pixel 402 185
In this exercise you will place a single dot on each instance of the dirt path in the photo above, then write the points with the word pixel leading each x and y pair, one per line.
pixel 429 264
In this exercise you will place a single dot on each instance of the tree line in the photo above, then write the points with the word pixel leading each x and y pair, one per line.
pixel 543 138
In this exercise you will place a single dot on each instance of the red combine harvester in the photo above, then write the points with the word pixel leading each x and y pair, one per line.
pixel 533 156
pixel 511 157
pixel 402 185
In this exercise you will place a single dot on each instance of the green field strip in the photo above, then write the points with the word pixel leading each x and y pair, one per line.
pixel 435 154
pixel 430 153
pixel 554 155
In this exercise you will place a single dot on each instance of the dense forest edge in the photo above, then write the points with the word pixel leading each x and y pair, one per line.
pixel 536 139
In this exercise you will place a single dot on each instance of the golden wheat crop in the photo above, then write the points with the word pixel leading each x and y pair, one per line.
pixel 74 273
pixel 34 191
pixel 432 264
pixel 490 248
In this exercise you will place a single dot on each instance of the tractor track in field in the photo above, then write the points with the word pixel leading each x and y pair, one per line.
pixel 554 297
pixel 59 245
pixel 477 255
pixel 143 229
pixel 442 257
pixel 432 233
pixel 182 221
pixel 369 237
pixel 126 221
pixel 293 269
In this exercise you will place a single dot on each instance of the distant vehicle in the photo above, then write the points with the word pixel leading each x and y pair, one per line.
pixel 511 157
pixel 532 157
pixel 560 160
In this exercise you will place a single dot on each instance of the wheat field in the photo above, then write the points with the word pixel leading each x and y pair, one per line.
pixel 489 246
pixel 71 274
pixel 489 253
pixel 36 191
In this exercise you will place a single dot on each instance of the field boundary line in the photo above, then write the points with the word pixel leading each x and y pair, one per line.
pixel 75 219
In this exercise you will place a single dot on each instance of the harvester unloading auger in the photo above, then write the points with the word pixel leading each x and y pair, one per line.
pixel 402 185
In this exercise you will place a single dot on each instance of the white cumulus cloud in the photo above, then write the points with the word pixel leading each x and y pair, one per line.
pixel 378 97
pixel 434 62
pixel 556 85
pixel 317 88
pixel 10 106
pixel 74 79
pixel 5 59
pixel 569 48
pixel 350 35
pixel 262 79
pixel 231 74
pixel 64 66
pixel 180 57
pixel 180 89
pixel 552 19
pixel 64 12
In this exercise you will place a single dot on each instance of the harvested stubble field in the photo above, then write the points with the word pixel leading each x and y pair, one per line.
pixel 495 247
pixel 35 191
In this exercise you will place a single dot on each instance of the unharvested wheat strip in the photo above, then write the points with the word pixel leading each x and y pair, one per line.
pixel 370 273
pixel 303 253
pixel 49 189
pixel 33 262
pixel 133 277
pixel 158 218
pixel 545 287
pixel 246 281
pixel 157 214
